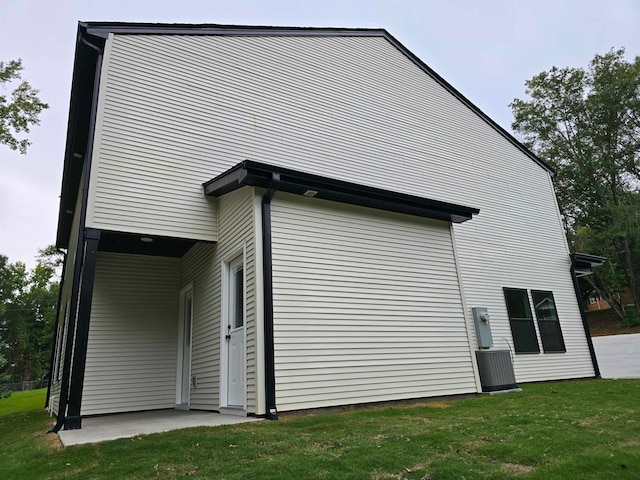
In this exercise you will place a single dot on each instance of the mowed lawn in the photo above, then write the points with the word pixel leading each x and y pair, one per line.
pixel 562 430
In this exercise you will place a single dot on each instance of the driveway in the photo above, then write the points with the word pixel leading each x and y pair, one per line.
pixel 618 355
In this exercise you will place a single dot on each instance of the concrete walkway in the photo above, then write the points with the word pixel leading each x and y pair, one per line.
pixel 618 355
pixel 124 425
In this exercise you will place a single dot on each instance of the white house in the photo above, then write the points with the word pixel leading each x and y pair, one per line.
pixel 265 219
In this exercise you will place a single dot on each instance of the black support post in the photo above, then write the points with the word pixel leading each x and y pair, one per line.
pixel 73 419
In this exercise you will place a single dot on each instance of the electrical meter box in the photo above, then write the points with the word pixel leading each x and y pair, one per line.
pixel 483 327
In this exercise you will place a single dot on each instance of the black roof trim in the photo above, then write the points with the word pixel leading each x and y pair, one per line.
pixel 250 173
pixel 102 29
pixel 80 108
pixel 584 263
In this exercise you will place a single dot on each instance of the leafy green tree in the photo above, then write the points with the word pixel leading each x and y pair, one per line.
pixel 586 124
pixel 19 111
pixel 28 302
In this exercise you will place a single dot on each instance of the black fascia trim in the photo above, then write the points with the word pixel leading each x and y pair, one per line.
pixel 583 263
pixel 79 88
pixel 251 173
pixel 102 29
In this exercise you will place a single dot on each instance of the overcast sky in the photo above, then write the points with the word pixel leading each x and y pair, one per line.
pixel 484 48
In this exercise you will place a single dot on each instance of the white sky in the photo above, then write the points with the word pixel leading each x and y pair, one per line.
pixel 484 48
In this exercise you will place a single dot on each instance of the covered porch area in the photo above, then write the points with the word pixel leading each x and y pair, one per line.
pixel 126 425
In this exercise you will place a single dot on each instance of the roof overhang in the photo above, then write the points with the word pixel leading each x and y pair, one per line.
pixel 81 105
pixel 256 174
pixel 583 263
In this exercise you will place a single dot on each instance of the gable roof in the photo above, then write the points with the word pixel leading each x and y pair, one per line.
pixel 91 38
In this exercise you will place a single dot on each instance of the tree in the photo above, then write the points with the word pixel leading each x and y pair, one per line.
pixel 586 124
pixel 21 110
pixel 28 302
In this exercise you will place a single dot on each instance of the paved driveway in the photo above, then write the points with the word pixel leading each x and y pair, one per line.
pixel 618 355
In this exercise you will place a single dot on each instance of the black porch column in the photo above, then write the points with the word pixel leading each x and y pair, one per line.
pixel 73 419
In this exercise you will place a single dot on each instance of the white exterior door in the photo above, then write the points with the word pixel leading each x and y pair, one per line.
pixel 183 380
pixel 235 336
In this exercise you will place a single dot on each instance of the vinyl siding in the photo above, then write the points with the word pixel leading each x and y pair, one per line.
pixel 141 182
pixel 530 254
pixel 367 306
pixel 199 267
pixel 203 266
pixel 179 110
pixel 132 347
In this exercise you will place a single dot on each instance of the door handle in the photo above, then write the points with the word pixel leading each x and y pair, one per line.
pixel 228 335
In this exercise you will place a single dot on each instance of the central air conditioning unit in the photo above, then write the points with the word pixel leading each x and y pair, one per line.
pixel 494 366
pixel 496 370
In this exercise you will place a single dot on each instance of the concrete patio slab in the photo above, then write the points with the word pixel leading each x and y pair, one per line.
pixel 125 425
pixel 618 355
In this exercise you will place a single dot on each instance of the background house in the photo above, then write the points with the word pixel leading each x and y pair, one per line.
pixel 262 219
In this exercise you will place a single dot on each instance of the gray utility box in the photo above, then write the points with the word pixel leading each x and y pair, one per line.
pixel 496 370
pixel 483 328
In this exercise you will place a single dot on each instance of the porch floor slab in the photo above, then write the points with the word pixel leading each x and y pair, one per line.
pixel 125 425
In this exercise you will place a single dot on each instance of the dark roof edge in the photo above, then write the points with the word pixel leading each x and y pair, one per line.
pixel 594 260
pixel 72 166
pixel 584 263
pixel 251 173
pixel 102 29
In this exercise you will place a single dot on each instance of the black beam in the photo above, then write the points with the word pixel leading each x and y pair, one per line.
pixel 73 418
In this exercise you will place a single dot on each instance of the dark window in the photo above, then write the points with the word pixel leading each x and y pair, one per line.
pixel 548 321
pixel 238 280
pixel 521 321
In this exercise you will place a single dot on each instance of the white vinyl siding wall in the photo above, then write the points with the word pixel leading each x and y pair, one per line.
pixel 132 348
pixel 203 266
pixel 367 306
pixel 179 110
pixel 529 255
pixel 144 180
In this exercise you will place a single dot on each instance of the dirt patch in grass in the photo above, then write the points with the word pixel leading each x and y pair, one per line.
pixel 436 405
pixel 477 443
pixel 634 442
pixel 516 468
pixel 321 446
pixel 51 440
pixel 400 475
pixel 587 422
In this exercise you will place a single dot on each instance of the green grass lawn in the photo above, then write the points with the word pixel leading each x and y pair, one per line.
pixel 565 430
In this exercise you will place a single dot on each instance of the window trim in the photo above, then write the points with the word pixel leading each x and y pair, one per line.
pixel 519 319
